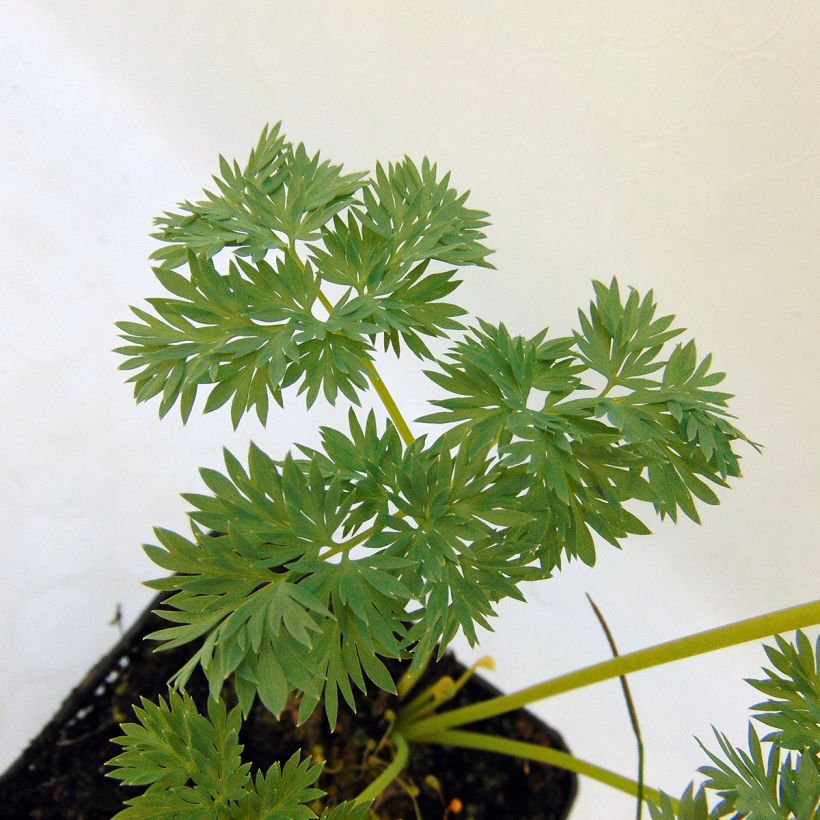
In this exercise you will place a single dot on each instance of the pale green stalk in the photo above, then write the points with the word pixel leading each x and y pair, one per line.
pixel 751 629
pixel 381 389
pixel 390 773
pixel 542 754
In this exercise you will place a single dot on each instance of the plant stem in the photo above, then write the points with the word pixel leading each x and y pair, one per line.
pixel 349 544
pixel 390 404
pixel 441 691
pixel 326 303
pixel 762 626
pixel 355 540
pixel 610 383
pixel 540 754
pixel 630 704
pixel 389 774
pixel 381 389
pixel 375 378
pixel 436 694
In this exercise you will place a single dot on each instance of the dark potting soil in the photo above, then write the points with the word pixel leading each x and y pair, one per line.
pixel 62 773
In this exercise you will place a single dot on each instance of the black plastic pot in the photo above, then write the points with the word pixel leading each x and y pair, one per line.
pixel 62 773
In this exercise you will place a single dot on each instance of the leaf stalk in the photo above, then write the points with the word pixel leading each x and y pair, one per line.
pixel 699 643
pixel 381 389
pixel 541 754
pixel 389 774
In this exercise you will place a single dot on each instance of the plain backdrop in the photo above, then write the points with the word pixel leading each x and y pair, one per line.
pixel 674 144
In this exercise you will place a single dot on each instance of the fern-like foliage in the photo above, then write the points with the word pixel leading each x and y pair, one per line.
pixel 755 785
pixel 303 575
pixel 282 603
pixel 263 325
pixel 250 333
pixel 444 529
pixel 792 688
pixel 407 219
pixel 760 783
pixel 191 768
pixel 692 805
pixel 282 194
pixel 656 432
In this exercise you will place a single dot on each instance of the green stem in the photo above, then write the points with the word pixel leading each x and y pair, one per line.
pixel 381 389
pixel 355 540
pixel 541 754
pixel 641 784
pixel 328 305
pixel 441 691
pixel 375 378
pixel 751 629
pixel 349 544
pixel 436 694
pixel 610 383
pixel 389 403
pixel 389 774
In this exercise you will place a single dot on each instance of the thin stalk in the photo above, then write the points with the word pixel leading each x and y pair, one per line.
pixel 381 389
pixel 345 546
pixel 751 629
pixel 441 691
pixel 355 540
pixel 630 704
pixel 375 378
pixel 327 304
pixel 436 694
pixel 389 403
pixel 541 754
pixel 610 383
pixel 389 774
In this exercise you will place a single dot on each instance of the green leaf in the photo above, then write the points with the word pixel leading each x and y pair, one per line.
pixel 792 687
pixel 249 333
pixel 189 762
pixel 282 195
pixel 759 786
pixel 422 216
pixel 408 218
pixel 759 783
pixel 587 455
pixel 282 793
pixel 265 604
pixel 494 376
pixel 347 811
pixel 693 806
pixel 192 767
pixel 620 340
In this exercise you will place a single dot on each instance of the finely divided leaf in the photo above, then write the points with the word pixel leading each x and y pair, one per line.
pixel 191 767
pixel 382 252
pixel 282 195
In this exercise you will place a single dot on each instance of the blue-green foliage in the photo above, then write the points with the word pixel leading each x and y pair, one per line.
pixel 656 432
pixel 262 325
pixel 325 564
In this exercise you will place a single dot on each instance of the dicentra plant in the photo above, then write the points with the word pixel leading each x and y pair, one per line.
pixel 304 573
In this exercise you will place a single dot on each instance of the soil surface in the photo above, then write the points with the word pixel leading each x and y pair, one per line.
pixel 62 773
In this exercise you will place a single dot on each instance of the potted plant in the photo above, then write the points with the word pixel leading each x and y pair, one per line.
pixel 319 591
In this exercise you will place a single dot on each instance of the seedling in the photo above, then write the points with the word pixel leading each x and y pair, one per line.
pixel 303 574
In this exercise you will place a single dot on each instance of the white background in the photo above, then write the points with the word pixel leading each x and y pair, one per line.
pixel 674 144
